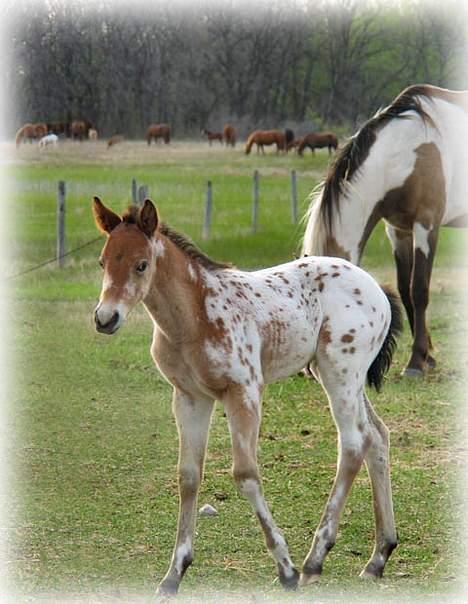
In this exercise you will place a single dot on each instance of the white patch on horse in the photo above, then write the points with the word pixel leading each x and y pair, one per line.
pixel 192 273
pixel 181 554
pixel 107 282
pixel 158 248
pixel 421 238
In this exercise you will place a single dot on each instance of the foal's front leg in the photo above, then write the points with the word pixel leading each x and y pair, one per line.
pixel 244 423
pixel 193 416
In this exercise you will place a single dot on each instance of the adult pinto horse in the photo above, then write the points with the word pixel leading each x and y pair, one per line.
pixel 229 135
pixel 407 166
pixel 156 131
pixel 222 333
pixel 318 140
pixel 265 137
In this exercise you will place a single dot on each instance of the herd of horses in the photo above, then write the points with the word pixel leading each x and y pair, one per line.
pixel 77 130
pixel 223 334
pixel 283 139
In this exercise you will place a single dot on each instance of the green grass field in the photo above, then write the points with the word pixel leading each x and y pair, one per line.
pixel 94 445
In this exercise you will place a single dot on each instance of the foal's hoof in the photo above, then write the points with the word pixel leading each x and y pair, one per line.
pixel 165 591
pixel 289 583
pixel 413 372
pixel 368 575
pixel 308 579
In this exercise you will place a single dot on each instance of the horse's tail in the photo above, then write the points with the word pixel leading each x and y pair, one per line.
pixel 289 136
pixel 250 142
pixel 383 360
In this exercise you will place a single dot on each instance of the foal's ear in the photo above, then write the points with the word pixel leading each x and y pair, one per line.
pixel 106 220
pixel 148 218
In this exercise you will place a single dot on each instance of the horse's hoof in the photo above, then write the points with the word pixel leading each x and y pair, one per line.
pixel 368 576
pixel 308 579
pixel 165 591
pixel 431 362
pixel 413 372
pixel 289 583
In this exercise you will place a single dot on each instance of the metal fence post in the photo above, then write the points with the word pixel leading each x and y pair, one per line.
pixel 142 194
pixel 208 211
pixel 61 223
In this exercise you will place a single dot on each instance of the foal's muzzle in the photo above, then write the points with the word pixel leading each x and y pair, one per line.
pixel 108 327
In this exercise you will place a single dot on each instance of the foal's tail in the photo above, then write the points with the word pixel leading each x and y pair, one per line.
pixel 383 360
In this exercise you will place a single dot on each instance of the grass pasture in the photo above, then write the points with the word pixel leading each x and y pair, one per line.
pixel 94 445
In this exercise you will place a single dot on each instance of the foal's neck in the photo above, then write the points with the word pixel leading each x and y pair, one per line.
pixel 175 298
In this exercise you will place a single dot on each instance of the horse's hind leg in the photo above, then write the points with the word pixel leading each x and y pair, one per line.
pixel 348 411
pixel 377 462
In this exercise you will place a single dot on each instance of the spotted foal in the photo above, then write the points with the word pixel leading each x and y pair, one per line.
pixel 222 334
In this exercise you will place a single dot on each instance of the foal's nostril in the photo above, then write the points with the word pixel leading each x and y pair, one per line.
pixel 108 327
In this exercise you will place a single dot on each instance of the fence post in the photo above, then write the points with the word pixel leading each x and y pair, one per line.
pixel 142 194
pixel 208 209
pixel 61 223
pixel 134 190
pixel 294 196
pixel 255 201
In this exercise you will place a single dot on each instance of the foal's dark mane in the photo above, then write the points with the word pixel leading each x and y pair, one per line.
pixel 352 155
pixel 186 245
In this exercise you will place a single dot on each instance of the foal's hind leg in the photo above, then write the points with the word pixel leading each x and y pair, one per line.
pixel 244 423
pixel 349 414
pixel 377 462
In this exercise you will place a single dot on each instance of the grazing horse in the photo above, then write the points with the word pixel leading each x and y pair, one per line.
pixel 156 131
pixel 48 140
pixel 288 139
pixel 212 136
pixel 115 140
pixel 30 132
pixel 318 140
pixel 229 134
pixel 58 128
pixel 407 166
pixel 222 333
pixel 265 137
pixel 79 129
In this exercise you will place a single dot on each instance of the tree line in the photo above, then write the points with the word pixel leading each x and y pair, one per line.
pixel 305 64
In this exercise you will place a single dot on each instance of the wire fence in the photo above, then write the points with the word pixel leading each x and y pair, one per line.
pixel 138 194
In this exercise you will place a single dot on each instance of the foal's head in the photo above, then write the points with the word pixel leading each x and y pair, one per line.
pixel 128 260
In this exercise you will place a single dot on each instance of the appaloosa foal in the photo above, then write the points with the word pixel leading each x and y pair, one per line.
pixel 221 333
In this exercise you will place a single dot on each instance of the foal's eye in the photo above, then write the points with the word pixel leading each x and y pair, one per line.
pixel 101 263
pixel 142 266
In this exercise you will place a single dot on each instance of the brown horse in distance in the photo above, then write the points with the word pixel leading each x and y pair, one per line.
pixel 79 129
pixel 229 134
pixel 156 131
pixel 114 140
pixel 30 132
pixel 265 137
pixel 212 136
pixel 58 128
pixel 318 140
